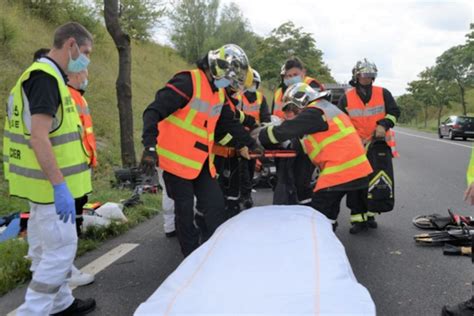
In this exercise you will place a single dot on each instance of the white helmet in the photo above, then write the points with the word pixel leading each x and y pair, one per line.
pixel 230 62
pixel 256 77
pixel 283 70
pixel 365 69
pixel 301 94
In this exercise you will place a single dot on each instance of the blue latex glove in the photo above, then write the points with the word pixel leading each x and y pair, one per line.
pixel 64 203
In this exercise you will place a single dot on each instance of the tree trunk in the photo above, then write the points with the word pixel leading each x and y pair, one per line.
pixel 123 84
pixel 463 99
pixel 426 116
pixel 440 111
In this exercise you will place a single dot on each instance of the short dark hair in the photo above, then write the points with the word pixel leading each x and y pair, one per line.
pixel 68 30
pixel 42 52
pixel 293 62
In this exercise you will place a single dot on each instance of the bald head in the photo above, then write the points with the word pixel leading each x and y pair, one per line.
pixel 76 79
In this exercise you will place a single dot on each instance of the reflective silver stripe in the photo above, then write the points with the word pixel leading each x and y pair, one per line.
pixel 329 109
pixel 252 108
pixel 26 111
pixel 6 158
pixel 44 288
pixel 216 110
pixel 38 174
pixel 83 110
pixel 11 99
pixel 203 107
pixel 55 140
pixel 65 138
pixel 200 105
pixel 366 112
pixel 305 201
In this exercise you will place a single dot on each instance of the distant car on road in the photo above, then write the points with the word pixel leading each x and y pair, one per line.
pixel 457 126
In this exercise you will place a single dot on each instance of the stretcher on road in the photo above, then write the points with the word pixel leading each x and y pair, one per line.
pixel 228 152
pixel 272 260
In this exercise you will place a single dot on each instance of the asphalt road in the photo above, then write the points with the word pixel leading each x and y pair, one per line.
pixel 403 279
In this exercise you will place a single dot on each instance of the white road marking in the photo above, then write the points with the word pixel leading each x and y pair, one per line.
pixel 432 139
pixel 101 263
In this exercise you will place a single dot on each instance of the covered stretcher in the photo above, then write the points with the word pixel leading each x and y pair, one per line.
pixel 271 260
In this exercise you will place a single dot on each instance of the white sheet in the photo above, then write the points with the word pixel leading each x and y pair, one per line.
pixel 271 260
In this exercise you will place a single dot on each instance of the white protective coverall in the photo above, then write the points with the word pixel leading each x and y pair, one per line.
pixel 167 205
pixel 52 246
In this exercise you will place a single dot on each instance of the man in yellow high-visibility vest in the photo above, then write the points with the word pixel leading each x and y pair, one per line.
pixel 467 307
pixel 48 166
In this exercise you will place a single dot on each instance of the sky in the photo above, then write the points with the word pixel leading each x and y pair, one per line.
pixel 402 37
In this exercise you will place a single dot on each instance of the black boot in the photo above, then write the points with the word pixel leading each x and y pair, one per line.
pixel 462 309
pixel 232 208
pixel 371 223
pixel 358 227
pixel 170 234
pixel 78 308
pixel 247 202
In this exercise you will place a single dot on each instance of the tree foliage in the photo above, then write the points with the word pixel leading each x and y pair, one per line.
pixel 234 28
pixel 193 21
pixel 67 10
pixel 439 86
pixel 409 108
pixel 195 31
pixel 456 65
pixel 138 17
pixel 286 41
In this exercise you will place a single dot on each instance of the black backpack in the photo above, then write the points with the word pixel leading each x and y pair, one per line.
pixel 381 195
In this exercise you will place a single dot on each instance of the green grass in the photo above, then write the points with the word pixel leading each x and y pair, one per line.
pixel 14 268
pixel 21 34
pixel 152 66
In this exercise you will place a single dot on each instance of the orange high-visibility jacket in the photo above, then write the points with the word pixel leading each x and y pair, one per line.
pixel 365 116
pixel 88 137
pixel 278 97
pixel 186 137
pixel 253 108
pixel 338 152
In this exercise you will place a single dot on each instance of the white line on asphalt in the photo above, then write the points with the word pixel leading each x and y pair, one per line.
pixel 102 262
pixel 432 139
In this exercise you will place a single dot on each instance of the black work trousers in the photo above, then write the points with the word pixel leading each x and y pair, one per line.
pixel 209 204
pixel 303 169
pixel 247 169
pixel 229 177
pixel 80 202
pixel 328 201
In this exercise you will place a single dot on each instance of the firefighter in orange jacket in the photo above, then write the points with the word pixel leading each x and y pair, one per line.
pixel 77 84
pixel 373 111
pixel 330 141
pixel 228 161
pixel 254 104
pixel 292 71
pixel 179 128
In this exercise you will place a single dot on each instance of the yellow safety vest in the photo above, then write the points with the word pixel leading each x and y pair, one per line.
pixel 470 169
pixel 26 178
